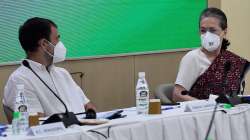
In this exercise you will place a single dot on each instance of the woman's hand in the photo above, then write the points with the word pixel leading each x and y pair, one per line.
pixel 178 97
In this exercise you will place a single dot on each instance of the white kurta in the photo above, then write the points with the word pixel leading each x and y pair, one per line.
pixel 39 97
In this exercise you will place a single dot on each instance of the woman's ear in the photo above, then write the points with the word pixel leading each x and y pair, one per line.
pixel 225 33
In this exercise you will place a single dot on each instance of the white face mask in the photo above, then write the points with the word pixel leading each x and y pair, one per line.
pixel 59 52
pixel 210 41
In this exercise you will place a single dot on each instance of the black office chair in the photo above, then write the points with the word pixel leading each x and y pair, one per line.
pixel 242 78
pixel 164 92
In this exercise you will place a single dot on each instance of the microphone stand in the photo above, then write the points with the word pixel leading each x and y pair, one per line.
pixel 223 98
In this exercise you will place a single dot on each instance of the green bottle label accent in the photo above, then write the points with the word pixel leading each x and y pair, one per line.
pixel 16 115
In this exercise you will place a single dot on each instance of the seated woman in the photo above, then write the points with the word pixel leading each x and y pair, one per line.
pixel 210 69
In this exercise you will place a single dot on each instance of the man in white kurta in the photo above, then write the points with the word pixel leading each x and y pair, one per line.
pixel 40 40
pixel 39 97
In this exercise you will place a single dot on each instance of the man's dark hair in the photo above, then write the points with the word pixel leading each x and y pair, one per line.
pixel 32 31
pixel 221 16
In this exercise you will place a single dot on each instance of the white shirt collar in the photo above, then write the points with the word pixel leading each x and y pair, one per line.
pixel 38 66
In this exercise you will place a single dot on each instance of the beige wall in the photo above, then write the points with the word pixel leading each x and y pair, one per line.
pixel 214 3
pixel 238 14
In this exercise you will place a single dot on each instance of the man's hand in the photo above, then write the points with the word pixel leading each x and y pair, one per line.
pixel 89 105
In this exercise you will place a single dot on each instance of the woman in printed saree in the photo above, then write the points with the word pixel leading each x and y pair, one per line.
pixel 210 69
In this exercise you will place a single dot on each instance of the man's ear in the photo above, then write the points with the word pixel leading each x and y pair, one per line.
pixel 43 42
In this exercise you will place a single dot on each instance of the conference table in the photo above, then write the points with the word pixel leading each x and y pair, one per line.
pixel 172 124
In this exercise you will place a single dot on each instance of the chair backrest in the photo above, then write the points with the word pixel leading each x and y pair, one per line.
pixel 8 112
pixel 245 71
pixel 78 78
pixel 242 78
pixel 164 92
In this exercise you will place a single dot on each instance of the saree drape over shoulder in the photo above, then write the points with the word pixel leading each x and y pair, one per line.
pixel 215 80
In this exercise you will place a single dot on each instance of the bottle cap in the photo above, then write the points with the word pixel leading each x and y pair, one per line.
pixel 16 115
pixel 20 86
pixel 141 74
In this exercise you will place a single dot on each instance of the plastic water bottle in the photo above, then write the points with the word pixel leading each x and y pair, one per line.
pixel 22 107
pixel 142 94
pixel 15 123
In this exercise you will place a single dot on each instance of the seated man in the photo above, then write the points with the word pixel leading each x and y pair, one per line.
pixel 211 69
pixel 40 41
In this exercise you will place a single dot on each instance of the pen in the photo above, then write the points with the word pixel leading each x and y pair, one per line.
pixel 170 107
pixel 3 135
pixel 2 130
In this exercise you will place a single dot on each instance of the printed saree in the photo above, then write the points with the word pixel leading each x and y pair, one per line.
pixel 222 76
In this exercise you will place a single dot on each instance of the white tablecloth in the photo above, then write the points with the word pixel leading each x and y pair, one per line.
pixel 233 124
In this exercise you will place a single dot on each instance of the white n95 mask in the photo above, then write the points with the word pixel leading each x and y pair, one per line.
pixel 59 52
pixel 210 41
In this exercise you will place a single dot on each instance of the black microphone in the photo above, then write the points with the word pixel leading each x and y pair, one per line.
pixel 26 64
pixel 227 67
pixel 223 97
pixel 184 92
pixel 90 114
pixel 68 118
